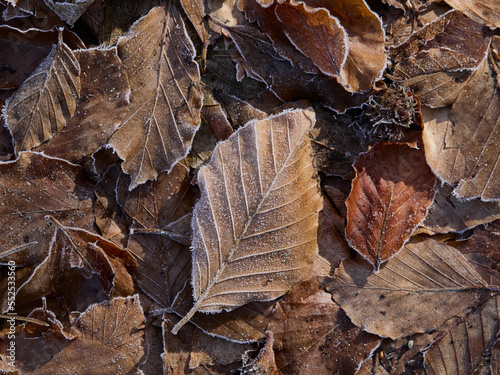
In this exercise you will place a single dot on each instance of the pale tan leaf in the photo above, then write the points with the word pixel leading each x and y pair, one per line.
pixel 468 342
pixel 449 214
pixel 69 11
pixel 395 302
pixel 165 100
pixel 46 100
pixel 486 12
pixel 254 227
pixel 116 324
pixel 462 146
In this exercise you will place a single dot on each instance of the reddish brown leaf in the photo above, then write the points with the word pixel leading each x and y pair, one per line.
pixel 31 188
pixel 165 100
pixel 312 332
pixel 468 342
pixel 389 198
pixel 264 363
pixel 103 103
pixel 426 276
pixel 45 101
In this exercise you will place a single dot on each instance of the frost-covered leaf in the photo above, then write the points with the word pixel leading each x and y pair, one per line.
pixel 389 198
pixel 312 332
pixel 254 227
pixel 450 214
pixel 30 188
pixel 461 145
pixel 69 11
pixel 468 342
pixel 45 101
pixel 103 103
pixel 486 12
pixel 264 363
pixel 425 284
pixel 116 324
pixel 165 100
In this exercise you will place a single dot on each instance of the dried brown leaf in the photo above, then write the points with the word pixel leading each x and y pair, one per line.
pixel 45 101
pixel 165 100
pixel 468 342
pixel 104 99
pixel 116 324
pixel 486 12
pixel 450 43
pixel 449 214
pixel 69 11
pixel 462 146
pixel 254 235
pixel 389 198
pixel 425 284
pixel 264 363
pixel 32 187
pixel 312 332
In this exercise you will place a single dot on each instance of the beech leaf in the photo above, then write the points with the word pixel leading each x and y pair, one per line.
pixel 425 276
pixel 69 11
pixel 254 227
pixel 46 100
pixel 389 198
pixel 486 12
pixel 165 100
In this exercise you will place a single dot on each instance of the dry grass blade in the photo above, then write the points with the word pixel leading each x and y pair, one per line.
pixel 165 100
pixel 255 225
pixel 45 101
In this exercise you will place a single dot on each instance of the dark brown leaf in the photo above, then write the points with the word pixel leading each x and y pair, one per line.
pixel 69 11
pixel 312 332
pixel 45 101
pixel 395 302
pixel 103 103
pixel 486 12
pixel 165 100
pixel 389 198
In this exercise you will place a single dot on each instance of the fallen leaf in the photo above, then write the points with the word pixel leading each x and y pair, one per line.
pixel 420 288
pixel 117 324
pixel 45 101
pixel 450 43
pixel 468 342
pixel 312 332
pixel 69 11
pixel 103 103
pixel 461 145
pixel 485 11
pixel 165 100
pixel 264 363
pixel 389 198
pixel 450 214
pixel 32 187
pixel 233 259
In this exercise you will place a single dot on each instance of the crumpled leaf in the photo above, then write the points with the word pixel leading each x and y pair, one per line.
pixel 312 332
pixel 469 340
pixel 45 101
pixel 254 236
pixel 389 198
pixel 451 43
pixel 116 324
pixel 449 214
pixel 103 103
pixel 69 11
pixel 425 276
pixel 461 145
pixel 264 363
pixel 486 12
pixel 165 100
pixel 32 187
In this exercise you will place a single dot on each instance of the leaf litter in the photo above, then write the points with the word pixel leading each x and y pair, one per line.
pixel 292 187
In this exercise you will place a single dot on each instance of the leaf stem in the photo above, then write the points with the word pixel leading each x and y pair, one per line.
pixel 186 317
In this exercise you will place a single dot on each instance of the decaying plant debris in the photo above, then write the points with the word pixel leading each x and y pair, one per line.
pixel 250 186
